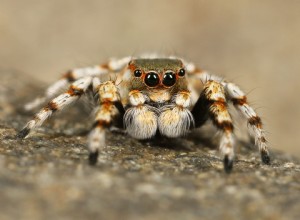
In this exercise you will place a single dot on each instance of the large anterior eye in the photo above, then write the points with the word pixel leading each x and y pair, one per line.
pixel 152 79
pixel 169 79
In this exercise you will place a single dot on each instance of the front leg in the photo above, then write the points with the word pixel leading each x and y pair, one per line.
pixel 212 104
pixel 108 111
pixel 239 99
pixel 175 119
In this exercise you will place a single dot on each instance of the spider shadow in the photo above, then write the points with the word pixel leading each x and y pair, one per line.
pixel 201 138
pixel 187 143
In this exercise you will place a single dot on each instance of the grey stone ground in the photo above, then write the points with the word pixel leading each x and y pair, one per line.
pixel 47 175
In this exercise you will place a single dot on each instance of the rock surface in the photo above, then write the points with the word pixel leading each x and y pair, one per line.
pixel 47 175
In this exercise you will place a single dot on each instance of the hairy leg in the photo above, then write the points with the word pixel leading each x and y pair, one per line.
pixel 239 99
pixel 255 124
pixel 212 104
pixel 108 111
pixel 75 74
pixel 74 92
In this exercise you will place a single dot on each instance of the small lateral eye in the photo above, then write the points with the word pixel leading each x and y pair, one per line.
pixel 181 72
pixel 137 73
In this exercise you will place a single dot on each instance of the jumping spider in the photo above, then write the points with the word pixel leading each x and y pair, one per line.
pixel 152 95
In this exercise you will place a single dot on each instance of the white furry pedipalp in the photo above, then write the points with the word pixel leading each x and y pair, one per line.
pixel 141 122
pixel 175 121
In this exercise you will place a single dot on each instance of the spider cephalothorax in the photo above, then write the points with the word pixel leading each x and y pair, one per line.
pixel 152 95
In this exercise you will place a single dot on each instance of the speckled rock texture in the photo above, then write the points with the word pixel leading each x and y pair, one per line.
pixel 47 176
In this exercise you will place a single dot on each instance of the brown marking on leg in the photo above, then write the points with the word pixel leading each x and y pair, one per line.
pixel 219 114
pixel 74 91
pixel 219 105
pixel 105 66
pixel 263 139
pixel 36 118
pixel 221 100
pixel 224 125
pixel 102 124
pixel 69 76
pixel 52 106
pixel 106 106
pixel 185 93
pixel 132 66
pixel 239 101
pixel 255 121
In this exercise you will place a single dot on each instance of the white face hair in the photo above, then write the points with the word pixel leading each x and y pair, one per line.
pixel 151 95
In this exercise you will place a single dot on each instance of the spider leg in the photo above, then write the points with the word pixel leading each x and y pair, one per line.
pixel 110 108
pixel 239 99
pixel 255 124
pixel 212 104
pixel 75 91
pixel 75 74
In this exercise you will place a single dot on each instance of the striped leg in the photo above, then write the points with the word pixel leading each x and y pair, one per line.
pixel 75 74
pixel 213 97
pixel 107 112
pixel 240 102
pixel 74 93
pixel 255 125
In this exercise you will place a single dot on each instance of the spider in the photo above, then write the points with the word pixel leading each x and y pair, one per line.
pixel 166 96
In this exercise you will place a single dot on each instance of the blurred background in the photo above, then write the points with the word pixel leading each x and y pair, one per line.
pixel 253 43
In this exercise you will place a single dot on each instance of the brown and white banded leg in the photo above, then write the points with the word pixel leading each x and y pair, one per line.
pixel 108 111
pixel 176 120
pixel 140 120
pixel 255 124
pixel 75 74
pixel 213 105
pixel 75 91
pixel 237 96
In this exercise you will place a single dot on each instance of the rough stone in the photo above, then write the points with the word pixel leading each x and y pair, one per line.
pixel 47 176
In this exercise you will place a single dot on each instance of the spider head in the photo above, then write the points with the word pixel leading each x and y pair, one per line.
pixel 156 73
pixel 158 78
